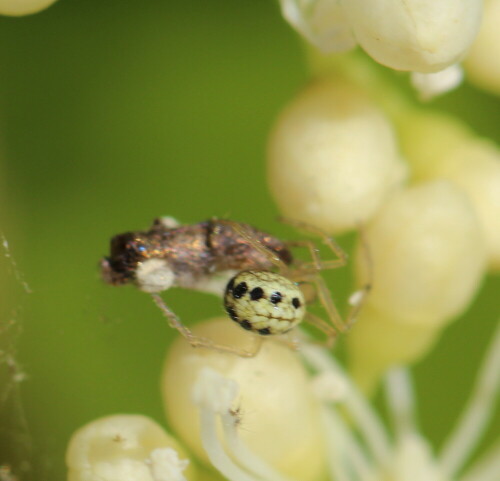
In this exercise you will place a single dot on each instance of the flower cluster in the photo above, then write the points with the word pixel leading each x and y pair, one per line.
pixel 413 35
pixel 429 39
pixel 423 187
pixel 272 419
pixel 348 153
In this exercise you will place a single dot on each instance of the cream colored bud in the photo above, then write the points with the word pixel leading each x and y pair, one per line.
pixel 322 22
pixel 438 146
pixel 428 259
pixel 482 63
pixel 378 342
pixel 276 411
pixel 475 167
pixel 428 254
pixel 430 85
pixel 426 138
pixel 417 35
pixel 125 448
pixel 23 7
pixel 332 157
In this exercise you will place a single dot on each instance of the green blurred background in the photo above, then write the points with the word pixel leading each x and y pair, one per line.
pixel 113 113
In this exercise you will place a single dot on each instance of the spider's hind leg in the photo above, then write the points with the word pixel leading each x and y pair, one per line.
pixel 316 263
pixel 197 341
pixel 310 272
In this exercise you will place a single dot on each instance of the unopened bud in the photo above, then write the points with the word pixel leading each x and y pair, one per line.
pixel 439 146
pixel 278 414
pixel 416 35
pixel 428 257
pixel 332 158
pixel 125 448
pixel 482 63
pixel 23 7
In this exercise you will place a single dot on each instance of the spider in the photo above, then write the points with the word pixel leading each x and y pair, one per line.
pixel 205 255
pixel 271 303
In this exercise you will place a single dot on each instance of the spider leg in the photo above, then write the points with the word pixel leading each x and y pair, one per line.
pixel 317 263
pixel 310 273
pixel 243 231
pixel 328 304
pixel 288 340
pixel 323 326
pixel 197 341
pixel 356 302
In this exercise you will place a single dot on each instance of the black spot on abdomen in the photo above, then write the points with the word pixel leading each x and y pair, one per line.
pixel 230 285
pixel 240 290
pixel 232 313
pixel 256 293
pixel 246 325
pixel 276 297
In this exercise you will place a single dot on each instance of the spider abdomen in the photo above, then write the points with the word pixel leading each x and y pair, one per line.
pixel 264 302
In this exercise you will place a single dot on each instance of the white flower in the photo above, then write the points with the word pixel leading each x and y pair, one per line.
pixel 125 448
pixel 438 146
pixel 359 445
pixel 165 465
pixel 23 7
pixel 323 23
pixel 427 254
pixel 482 63
pixel 430 85
pixel 332 157
pixel 262 408
pixel 415 35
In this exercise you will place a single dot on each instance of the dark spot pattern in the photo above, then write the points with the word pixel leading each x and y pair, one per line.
pixel 246 325
pixel 276 297
pixel 296 302
pixel 232 313
pixel 240 290
pixel 230 285
pixel 256 293
pixel 265 331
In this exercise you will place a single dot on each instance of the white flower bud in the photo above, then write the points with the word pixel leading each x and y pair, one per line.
pixel 378 342
pixel 430 85
pixel 416 35
pixel 277 413
pixel 23 7
pixel 438 146
pixel 428 254
pixel 425 138
pixel 322 22
pixel 483 60
pixel 428 259
pixel 125 448
pixel 475 167
pixel 332 157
